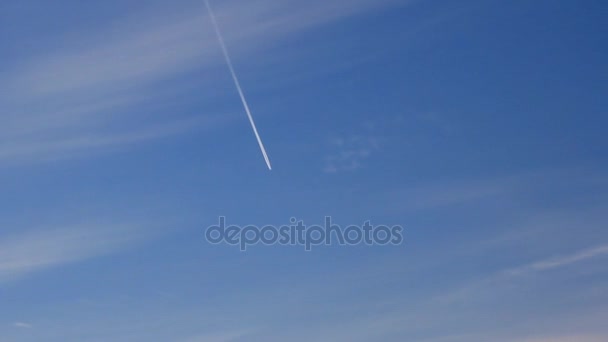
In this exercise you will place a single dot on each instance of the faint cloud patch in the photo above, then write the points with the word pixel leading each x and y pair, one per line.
pixel 108 86
pixel 502 279
pixel 553 263
pixel 22 325
pixel 41 249
pixel 350 153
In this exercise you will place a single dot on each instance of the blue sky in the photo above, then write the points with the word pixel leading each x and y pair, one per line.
pixel 478 126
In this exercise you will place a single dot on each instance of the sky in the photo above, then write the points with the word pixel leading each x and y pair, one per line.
pixel 479 126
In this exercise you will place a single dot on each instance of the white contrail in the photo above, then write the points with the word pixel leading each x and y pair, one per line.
pixel 236 81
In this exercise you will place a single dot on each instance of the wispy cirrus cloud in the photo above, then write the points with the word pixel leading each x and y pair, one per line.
pixel 22 325
pixel 92 142
pixel 104 85
pixel 505 278
pixel 562 261
pixel 37 250
pixel 350 153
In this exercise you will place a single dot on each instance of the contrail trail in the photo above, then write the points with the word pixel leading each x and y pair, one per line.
pixel 236 82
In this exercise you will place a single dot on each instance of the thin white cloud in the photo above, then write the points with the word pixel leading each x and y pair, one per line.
pixel 349 154
pixel 505 277
pixel 41 249
pixel 171 42
pixel 86 88
pixel 22 325
pixel 553 263
pixel 72 146
pixel 441 193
